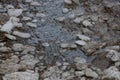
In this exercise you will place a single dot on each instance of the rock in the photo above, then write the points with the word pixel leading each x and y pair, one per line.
pixel 68 45
pixel 35 3
pixel 26 19
pixel 42 15
pixel 87 23
pixel 80 42
pixel 91 73
pixel 10 36
pixel 60 19
pixel 116 47
pixel 79 73
pixel 18 25
pixel 65 10
pixel 78 20
pixel 9 25
pixel 29 61
pixel 87 31
pixel 111 73
pixel 15 12
pixel 5 49
pixel 71 16
pixel 46 44
pixel 27 75
pixel 113 55
pixel 68 1
pixel 28 49
pixel 83 37
pixel 31 24
pixel 10 65
pixel 22 34
pixel 79 60
pixel 10 7
pixel 18 47
pixel 28 1
pixel 80 63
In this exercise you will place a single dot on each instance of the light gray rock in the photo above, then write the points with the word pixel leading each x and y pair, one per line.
pixel 60 19
pixel 68 45
pixel 68 1
pixel 79 60
pixel 29 61
pixel 78 20
pixel 65 10
pixel 90 73
pixel 10 36
pixel 42 15
pixel 79 73
pixel 28 49
pixel 28 1
pixel 35 3
pixel 111 72
pixel 113 55
pixel 31 24
pixel 5 49
pixel 21 34
pixel 10 65
pixel 46 44
pixel 87 23
pixel 80 63
pixel 27 75
pixel 80 42
pixel 9 25
pixel 15 12
pixel 83 37
pixel 18 47
pixel 26 19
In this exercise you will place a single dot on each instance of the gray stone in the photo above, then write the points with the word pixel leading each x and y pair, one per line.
pixel 27 75
pixel 91 73
pixel 80 42
pixel 18 47
pixel 111 72
pixel 87 23
pixel 15 12
pixel 22 34
pixel 83 37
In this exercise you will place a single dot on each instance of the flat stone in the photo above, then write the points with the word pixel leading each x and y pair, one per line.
pixel 35 3
pixel 111 73
pixel 65 10
pixel 22 34
pixel 15 12
pixel 91 73
pixel 31 24
pixel 78 20
pixel 42 15
pixel 79 73
pixel 9 25
pixel 83 37
pixel 68 1
pixel 27 75
pixel 87 23
pixel 113 55
pixel 10 36
pixel 68 45
pixel 80 42
pixel 18 47
pixel 26 19
pixel 29 61
pixel 5 49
